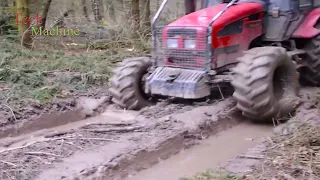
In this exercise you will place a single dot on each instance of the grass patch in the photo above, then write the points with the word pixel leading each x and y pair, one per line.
pixel 213 175
pixel 294 156
pixel 27 74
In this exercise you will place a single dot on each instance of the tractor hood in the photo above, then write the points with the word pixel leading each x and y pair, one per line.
pixel 204 16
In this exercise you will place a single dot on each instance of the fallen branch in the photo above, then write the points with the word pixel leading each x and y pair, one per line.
pixel 97 139
pixel 12 112
pixel 87 126
pixel 8 163
pixel 41 154
pixel 119 130
pixel 27 145
pixel 250 157
pixel 72 144
pixel 59 133
pixel 53 139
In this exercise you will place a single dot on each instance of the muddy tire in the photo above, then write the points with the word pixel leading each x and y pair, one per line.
pixel 263 78
pixel 126 84
pixel 312 61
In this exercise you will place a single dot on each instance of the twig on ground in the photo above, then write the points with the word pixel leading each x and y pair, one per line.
pixel 120 130
pixel 41 153
pixel 250 157
pixel 105 124
pixel 53 139
pixel 97 139
pixel 8 163
pixel 72 144
pixel 59 133
pixel 12 112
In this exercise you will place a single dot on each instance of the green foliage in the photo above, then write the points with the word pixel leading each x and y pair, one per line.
pixel 43 75
pixel 34 79
pixel 45 94
pixel 8 26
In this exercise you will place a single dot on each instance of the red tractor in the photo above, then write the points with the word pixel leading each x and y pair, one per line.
pixel 261 47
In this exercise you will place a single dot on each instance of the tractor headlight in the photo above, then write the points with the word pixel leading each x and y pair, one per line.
pixel 189 44
pixel 172 43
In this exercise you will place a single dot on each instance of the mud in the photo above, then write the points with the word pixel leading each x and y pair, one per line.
pixel 62 113
pixel 118 144
pixel 47 120
pixel 159 138
pixel 110 143
pixel 31 116
pixel 210 153
pixel 308 111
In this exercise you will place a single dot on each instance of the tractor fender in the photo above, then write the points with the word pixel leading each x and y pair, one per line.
pixel 306 28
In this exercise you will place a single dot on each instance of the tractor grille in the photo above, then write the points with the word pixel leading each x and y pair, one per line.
pixel 183 32
pixel 188 47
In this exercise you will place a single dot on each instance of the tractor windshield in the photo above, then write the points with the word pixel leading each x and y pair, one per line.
pixel 174 9
pixel 209 3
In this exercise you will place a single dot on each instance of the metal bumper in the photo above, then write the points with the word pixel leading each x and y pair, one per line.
pixel 176 82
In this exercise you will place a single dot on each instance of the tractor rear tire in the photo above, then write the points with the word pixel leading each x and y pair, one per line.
pixel 126 84
pixel 263 79
pixel 312 60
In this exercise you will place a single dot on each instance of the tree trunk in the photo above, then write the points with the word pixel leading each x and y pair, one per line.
pixel 85 10
pixel 101 9
pixel 111 10
pixel 121 4
pixel 45 13
pixel 96 10
pixel 4 3
pixel 24 32
pixel 146 13
pixel 135 12
pixel 158 4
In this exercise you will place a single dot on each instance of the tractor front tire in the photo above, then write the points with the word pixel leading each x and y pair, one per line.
pixel 263 79
pixel 126 84
pixel 312 60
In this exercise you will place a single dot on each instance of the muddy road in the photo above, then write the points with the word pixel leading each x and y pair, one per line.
pixel 210 153
pixel 120 144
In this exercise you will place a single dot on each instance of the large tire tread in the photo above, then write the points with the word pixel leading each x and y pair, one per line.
pixel 313 61
pixel 252 81
pixel 125 83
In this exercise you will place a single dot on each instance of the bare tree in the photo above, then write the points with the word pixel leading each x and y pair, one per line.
pixel 85 10
pixel 111 10
pixel 135 14
pixel 146 13
pixel 121 3
pixel 45 13
pixel 96 10
pixel 24 32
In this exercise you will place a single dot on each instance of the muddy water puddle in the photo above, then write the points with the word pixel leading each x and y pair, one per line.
pixel 211 153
